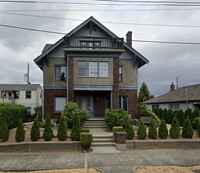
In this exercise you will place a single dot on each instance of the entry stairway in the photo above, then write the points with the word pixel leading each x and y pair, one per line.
pixel 102 137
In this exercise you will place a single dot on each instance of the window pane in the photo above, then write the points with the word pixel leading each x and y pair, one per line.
pixel 60 102
pixel 82 68
pixel 28 94
pixel 123 102
pixel 103 69
pixel 120 74
pixel 60 73
pixel 93 69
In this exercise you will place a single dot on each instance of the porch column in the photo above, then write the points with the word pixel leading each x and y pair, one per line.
pixel 70 88
pixel 115 82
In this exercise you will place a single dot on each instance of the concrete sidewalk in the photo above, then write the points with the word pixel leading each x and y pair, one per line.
pixel 107 162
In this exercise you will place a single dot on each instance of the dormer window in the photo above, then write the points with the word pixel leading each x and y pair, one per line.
pixel 60 73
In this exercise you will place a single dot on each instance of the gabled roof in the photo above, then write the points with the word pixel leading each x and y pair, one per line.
pixel 19 87
pixel 141 59
pixel 189 93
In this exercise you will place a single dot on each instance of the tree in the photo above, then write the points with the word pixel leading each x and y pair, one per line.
pixel 141 133
pixel 188 113
pixel 62 130
pixel 187 131
pixel 20 132
pixel 76 129
pixel 4 132
pixel 144 93
pixel 162 130
pixel 35 131
pixel 48 131
pixel 195 113
pixel 152 133
pixel 164 114
pixel 180 117
pixel 129 130
pixel 169 116
pixel 175 129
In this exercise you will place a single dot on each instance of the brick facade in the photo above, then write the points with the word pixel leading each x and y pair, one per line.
pixel 132 101
pixel 115 83
pixel 70 79
pixel 49 102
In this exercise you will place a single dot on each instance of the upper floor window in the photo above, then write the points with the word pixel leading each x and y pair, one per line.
pixel 28 94
pixel 60 72
pixel 93 69
pixel 120 74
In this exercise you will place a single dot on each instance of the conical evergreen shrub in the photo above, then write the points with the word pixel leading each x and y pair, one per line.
pixel 152 133
pixel 169 116
pixel 76 129
pixel 180 117
pixel 164 114
pixel 35 131
pixel 20 132
pixel 195 114
pixel 175 129
pixel 62 129
pixel 48 131
pixel 4 132
pixel 162 130
pixel 129 130
pixel 188 113
pixel 187 131
pixel 141 133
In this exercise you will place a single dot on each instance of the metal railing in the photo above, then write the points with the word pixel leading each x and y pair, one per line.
pixel 94 43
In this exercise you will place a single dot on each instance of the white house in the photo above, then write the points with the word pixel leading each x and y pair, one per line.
pixel 29 95
pixel 181 98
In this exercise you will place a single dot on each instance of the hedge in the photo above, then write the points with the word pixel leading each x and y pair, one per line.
pixel 11 113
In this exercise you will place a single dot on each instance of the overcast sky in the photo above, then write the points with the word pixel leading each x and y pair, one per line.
pixel 166 61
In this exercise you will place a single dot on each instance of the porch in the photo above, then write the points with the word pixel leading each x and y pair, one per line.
pixel 94 101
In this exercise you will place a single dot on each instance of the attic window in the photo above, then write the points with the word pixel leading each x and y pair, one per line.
pixel 90 44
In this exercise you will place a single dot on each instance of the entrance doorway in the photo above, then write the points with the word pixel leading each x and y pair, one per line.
pixel 86 103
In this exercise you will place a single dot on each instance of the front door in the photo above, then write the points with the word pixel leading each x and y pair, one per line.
pixel 86 103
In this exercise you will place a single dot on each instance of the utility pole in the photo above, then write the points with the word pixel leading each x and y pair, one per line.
pixel 26 76
pixel 177 82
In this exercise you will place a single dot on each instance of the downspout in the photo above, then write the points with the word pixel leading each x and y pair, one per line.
pixel 67 79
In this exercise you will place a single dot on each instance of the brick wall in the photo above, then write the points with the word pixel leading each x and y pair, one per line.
pixel 115 83
pixel 70 79
pixel 49 101
pixel 132 101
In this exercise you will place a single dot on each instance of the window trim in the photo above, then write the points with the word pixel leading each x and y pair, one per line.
pixel 98 69
pixel 121 104
pixel 58 111
pixel 30 94
pixel 60 65
pixel 176 105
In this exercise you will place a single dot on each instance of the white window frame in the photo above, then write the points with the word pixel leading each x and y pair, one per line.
pixel 121 102
pixel 58 78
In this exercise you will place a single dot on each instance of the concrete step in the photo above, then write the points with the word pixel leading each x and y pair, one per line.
pixel 103 144
pixel 96 126
pixel 102 136
pixel 103 140
pixel 95 123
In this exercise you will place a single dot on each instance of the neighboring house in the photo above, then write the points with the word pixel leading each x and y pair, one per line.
pixel 29 95
pixel 181 98
pixel 92 67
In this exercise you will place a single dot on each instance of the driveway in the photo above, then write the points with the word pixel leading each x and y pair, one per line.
pixel 108 162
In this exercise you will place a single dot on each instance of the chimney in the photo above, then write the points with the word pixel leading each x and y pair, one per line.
pixel 172 87
pixel 129 38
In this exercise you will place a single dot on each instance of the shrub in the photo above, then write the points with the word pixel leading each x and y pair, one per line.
pixel 38 113
pixel 180 117
pixel 198 130
pixel 86 140
pixel 4 132
pixel 11 113
pixel 35 131
pixel 169 116
pixel 85 130
pixel 142 111
pixel 48 131
pixel 70 110
pixel 196 122
pixel 175 129
pixel 187 131
pixel 43 124
pixel 62 130
pixel 76 129
pixel 160 113
pixel 162 130
pixel 117 129
pixel 164 114
pixel 20 132
pixel 129 130
pixel 195 114
pixel 152 133
pixel 116 117
pixel 188 113
pixel 141 133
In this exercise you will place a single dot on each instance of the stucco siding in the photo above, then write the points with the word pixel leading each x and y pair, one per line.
pixel 93 80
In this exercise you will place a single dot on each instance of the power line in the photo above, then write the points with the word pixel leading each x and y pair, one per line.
pixel 61 33
pixel 121 23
